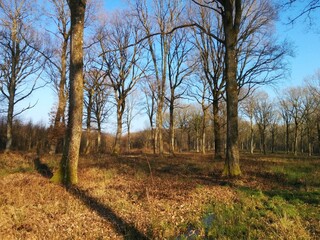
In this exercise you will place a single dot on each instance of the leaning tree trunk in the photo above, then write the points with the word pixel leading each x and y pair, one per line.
pixel 231 22
pixel 68 172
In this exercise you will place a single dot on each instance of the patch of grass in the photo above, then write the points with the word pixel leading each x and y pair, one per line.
pixel 254 215
pixel 299 174
pixel 24 168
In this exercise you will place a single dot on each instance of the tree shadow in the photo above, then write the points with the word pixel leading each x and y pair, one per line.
pixel 42 168
pixel 120 225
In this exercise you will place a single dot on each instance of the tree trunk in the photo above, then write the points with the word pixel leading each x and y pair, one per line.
pixel 171 126
pixel 9 124
pixel 99 141
pixel 203 140
pixel 68 172
pixel 272 141
pixel 161 94
pixel 218 143
pixel 88 123
pixel 251 136
pixel 295 141
pixel 98 148
pixel 9 129
pixel 263 141
pixel 12 85
pixel 231 22
pixel 59 121
pixel 129 138
pixel 159 123
pixel 287 137
pixel 117 144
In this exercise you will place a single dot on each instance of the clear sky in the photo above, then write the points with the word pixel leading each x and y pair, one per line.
pixel 306 44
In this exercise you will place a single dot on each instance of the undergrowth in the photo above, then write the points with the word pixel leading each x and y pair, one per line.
pixel 181 197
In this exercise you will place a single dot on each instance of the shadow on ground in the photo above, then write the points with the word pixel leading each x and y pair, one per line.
pixel 121 226
pixel 42 168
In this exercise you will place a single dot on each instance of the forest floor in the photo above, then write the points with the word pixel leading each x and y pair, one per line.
pixel 142 196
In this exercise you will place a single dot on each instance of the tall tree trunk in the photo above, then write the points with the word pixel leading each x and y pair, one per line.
pixel 59 121
pixel 9 125
pixel 231 22
pixel 263 141
pixel 161 93
pixel 129 138
pixel 154 140
pixel 99 141
pixel 295 141
pixel 12 84
pixel 203 127
pixel 117 144
pixel 251 136
pixel 171 125
pixel 203 140
pixel 287 137
pixel 197 141
pixel 218 143
pixel 68 172
pixel 272 141
pixel 88 123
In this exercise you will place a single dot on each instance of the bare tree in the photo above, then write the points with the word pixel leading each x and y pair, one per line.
pixel 124 65
pixel 244 23
pixel 149 90
pixel 97 97
pixel 200 92
pixel 248 106
pixel 130 113
pixel 68 171
pixel 20 61
pixel 179 70
pixel 274 126
pixel 311 104
pixel 183 115
pixel 167 14
pixel 294 97
pixel 57 67
pixel 211 58
pixel 305 8
pixel 313 85
pixel 263 115
pixel 284 107
pixel 231 15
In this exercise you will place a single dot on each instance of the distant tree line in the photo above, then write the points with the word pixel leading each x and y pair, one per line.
pixel 288 124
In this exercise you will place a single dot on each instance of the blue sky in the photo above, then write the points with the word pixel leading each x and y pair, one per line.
pixel 306 44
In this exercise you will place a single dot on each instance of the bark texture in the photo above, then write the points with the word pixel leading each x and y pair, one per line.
pixel 68 172
pixel 231 22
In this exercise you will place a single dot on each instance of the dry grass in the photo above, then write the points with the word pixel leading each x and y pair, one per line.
pixel 147 197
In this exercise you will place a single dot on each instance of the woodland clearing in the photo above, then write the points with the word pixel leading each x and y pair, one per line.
pixel 143 196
